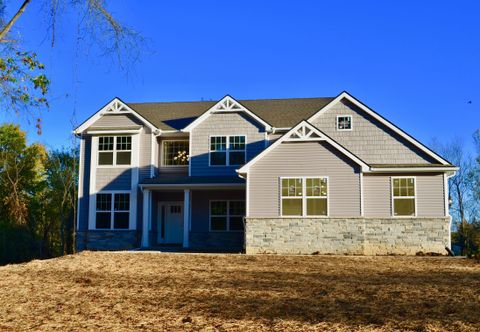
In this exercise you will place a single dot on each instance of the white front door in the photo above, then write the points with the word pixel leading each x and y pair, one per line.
pixel 170 226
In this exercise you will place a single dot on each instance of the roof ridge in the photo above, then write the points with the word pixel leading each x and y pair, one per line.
pixel 214 101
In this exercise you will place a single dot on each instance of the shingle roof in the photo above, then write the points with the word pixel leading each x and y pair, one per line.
pixel 280 113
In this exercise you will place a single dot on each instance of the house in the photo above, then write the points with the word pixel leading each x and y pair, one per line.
pixel 302 175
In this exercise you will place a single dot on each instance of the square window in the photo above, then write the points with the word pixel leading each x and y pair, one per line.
pixel 291 207
pixel 176 153
pixel 344 122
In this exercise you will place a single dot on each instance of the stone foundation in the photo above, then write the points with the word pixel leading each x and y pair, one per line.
pixel 107 240
pixel 354 236
pixel 228 241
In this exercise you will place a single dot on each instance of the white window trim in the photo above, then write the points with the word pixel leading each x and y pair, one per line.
pixel 114 151
pixel 392 212
pixel 228 215
pixel 162 156
pixel 227 151
pixel 112 210
pixel 343 116
pixel 304 196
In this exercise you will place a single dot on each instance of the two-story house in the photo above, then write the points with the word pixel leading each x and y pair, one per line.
pixel 300 175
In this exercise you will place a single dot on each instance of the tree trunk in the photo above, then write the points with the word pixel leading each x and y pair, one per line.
pixel 9 25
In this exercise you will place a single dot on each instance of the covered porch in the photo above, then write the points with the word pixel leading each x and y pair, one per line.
pixel 194 213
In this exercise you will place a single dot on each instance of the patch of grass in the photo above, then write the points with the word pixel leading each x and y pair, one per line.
pixel 151 291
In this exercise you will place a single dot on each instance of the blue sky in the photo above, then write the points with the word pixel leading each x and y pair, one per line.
pixel 414 62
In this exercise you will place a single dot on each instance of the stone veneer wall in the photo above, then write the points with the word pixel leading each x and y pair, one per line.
pixel 227 241
pixel 107 240
pixel 355 236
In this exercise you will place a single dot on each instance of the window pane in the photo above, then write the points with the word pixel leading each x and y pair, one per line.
pixel 237 208
pixel 236 223
pixel 218 223
pixel 218 208
pixel 122 202
pixel 123 158
pixel 404 207
pixel 105 143
pixel 218 143
pixel 102 220
pixel 218 158
pixel 291 207
pixel 316 206
pixel 104 202
pixel 124 143
pixel 175 153
pixel 292 187
pixel 121 220
pixel 105 158
pixel 237 142
pixel 237 158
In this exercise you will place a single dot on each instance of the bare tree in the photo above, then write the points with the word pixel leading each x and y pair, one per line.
pixel 464 203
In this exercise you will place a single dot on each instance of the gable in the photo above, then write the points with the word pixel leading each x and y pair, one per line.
pixel 115 114
pixel 372 138
pixel 305 132
pixel 227 105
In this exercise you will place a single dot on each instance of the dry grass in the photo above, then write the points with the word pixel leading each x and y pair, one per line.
pixel 151 291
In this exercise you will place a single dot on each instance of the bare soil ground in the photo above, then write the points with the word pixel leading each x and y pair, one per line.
pixel 153 291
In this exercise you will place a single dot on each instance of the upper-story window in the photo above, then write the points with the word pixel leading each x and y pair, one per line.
pixel 114 150
pixel 175 153
pixel 227 150
pixel 344 122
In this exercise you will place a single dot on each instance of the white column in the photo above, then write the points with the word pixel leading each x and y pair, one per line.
pixel 146 217
pixel 186 216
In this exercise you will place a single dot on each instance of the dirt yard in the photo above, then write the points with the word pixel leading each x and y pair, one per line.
pixel 153 291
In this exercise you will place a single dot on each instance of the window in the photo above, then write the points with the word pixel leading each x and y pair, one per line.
pixel 113 211
pixel 227 150
pixel 175 153
pixel 403 196
pixel 227 215
pixel 344 122
pixel 304 196
pixel 114 150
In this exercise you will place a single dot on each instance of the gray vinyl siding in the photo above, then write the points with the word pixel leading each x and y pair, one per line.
pixel 114 179
pixel 219 124
pixel 304 159
pixel 145 159
pixel 84 189
pixel 370 140
pixel 117 120
pixel 429 189
pixel 172 170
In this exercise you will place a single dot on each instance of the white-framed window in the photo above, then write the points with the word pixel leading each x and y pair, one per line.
pixel 404 196
pixel 114 150
pixel 344 122
pixel 304 196
pixel 227 215
pixel 175 153
pixel 227 150
pixel 112 210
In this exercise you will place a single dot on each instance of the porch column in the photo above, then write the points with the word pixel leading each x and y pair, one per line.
pixel 186 216
pixel 146 216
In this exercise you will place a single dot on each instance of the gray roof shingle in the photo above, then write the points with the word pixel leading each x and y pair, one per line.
pixel 280 113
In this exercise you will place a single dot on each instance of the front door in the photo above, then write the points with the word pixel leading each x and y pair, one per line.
pixel 170 228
